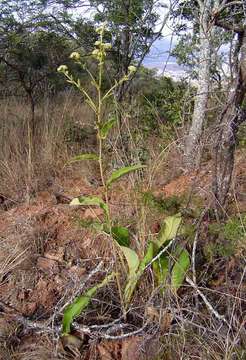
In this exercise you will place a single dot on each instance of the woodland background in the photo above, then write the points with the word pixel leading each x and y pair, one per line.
pixel 188 132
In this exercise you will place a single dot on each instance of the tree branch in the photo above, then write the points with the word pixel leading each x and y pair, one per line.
pixel 238 28
pixel 227 4
pixel 227 26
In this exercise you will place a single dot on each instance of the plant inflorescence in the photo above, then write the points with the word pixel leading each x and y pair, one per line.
pixel 157 254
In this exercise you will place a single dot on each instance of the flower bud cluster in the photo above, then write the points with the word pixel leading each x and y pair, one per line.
pixel 63 69
pixel 132 69
pixel 100 29
pixel 100 51
pixel 75 56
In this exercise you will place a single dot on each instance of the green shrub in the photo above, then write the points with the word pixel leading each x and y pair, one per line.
pixel 170 205
pixel 226 239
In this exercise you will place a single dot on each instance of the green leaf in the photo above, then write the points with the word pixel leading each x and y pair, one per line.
pixel 169 229
pixel 75 309
pixel 179 270
pixel 123 171
pixel 90 201
pixel 80 303
pixel 92 223
pixel 106 127
pixel 147 258
pixel 84 157
pixel 132 259
pixel 121 235
pixel 135 276
pixel 132 279
pixel 97 226
pixel 160 267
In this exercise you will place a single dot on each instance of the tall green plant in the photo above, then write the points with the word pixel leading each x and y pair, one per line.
pixel 119 235
pixel 102 125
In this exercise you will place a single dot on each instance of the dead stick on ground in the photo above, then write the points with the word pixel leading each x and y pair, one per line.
pixel 43 327
pixel 193 259
pixel 207 303
pixel 81 287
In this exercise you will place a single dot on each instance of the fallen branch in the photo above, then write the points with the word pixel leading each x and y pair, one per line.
pixel 81 287
pixel 193 259
pixel 95 331
pixel 207 303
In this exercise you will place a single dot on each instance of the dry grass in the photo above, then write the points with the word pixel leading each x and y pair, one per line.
pixel 181 326
pixel 40 349
pixel 52 145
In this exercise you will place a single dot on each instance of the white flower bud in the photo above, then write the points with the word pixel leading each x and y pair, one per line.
pixel 75 56
pixel 62 68
pixel 99 30
pixel 95 52
pixel 132 69
pixel 107 46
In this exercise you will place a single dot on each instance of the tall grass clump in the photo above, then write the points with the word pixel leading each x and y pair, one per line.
pixel 58 136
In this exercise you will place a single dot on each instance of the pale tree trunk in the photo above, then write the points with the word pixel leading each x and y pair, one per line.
pixel 231 118
pixel 201 100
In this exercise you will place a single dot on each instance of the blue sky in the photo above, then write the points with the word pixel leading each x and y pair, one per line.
pixel 159 58
pixel 159 53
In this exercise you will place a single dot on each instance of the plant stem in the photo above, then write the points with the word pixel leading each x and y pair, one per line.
pixel 100 161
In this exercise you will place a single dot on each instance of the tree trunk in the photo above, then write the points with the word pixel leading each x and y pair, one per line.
pixel 231 117
pixel 200 106
pixel 125 59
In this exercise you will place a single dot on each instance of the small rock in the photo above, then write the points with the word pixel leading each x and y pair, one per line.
pixel 47 265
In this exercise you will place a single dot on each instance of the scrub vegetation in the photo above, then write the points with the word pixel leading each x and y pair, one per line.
pixel 122 189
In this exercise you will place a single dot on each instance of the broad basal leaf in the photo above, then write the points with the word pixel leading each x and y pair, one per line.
pixel 123 171
pixel 106 127
pixel 92 224
pixel 121 235
pixel 147 258
pixel 75 309
pixel 83 157
pixel 137 273
pixel 90 201
pixel 160 267
pixel 169 229
pixel 179 270
pixel 80 303
pixel 133 264
pixel 132 259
